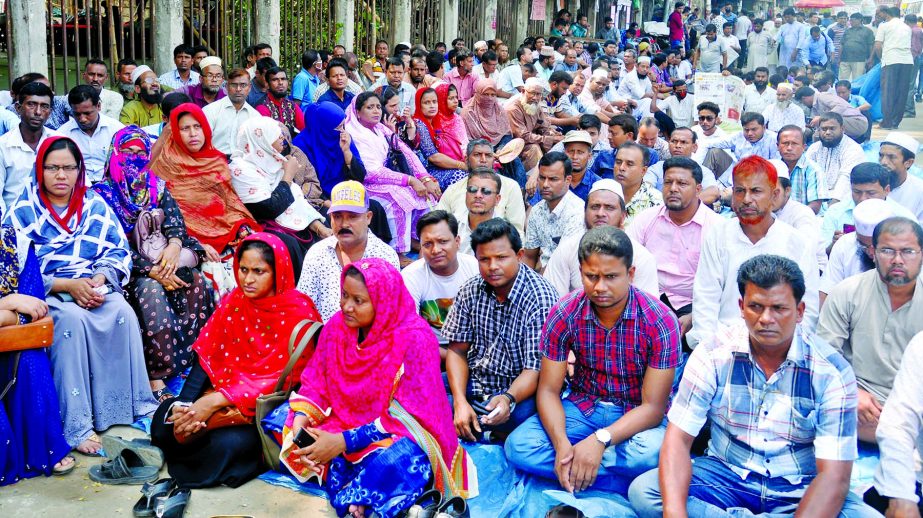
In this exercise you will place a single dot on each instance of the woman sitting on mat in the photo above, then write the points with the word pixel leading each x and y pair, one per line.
pixel 373 400
pixel 242 351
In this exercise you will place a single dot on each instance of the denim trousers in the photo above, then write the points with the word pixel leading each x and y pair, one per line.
pixel 530 449
pixel 716 491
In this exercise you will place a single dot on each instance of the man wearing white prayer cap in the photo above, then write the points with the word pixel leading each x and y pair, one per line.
pixel 852 253
pixel 605 206
pixel 635 86
pixel 209 89
pixel 145 109
pixel 783 112
pixel 528 123
pixel 897 153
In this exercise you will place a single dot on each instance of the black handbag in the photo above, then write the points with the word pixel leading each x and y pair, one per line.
pixel 396 157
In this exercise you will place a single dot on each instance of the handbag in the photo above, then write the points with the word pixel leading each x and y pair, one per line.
pixel 266 403
pixel 150 242
pixel 396 157
pixel 223 417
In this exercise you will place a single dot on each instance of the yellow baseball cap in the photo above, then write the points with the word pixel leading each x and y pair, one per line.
pixel 349 196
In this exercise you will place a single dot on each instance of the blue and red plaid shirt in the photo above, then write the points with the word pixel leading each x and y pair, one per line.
pixel 610 363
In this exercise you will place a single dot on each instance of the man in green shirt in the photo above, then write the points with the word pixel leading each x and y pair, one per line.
pixel 145 109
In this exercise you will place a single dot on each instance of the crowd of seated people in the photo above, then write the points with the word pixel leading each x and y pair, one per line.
pixel 557 251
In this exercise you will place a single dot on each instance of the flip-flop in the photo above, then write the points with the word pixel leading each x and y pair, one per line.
pixel 175 504
pixel 59 472
pixel 126 468
pixel 426 506
pixel 99 453
pixel 144 508
pixel 151 455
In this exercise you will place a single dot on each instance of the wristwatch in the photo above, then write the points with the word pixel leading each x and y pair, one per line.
pixel 512 400
pixel 603 436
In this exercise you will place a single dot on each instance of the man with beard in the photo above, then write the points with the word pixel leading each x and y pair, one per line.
pixel 727 245
pixel 760 45
pixel 835 153
pixel 636 86
pixel 783 112
pixel 871 317
pixel 210 88
pixel 277 105
pixel 145 109
pixel 855 123
pixel 673 233
pixel 555 103
pixel 897 153
pixel 226 116
pixel 18 146
pixel 527 122
pixel 417 74
pixel 90 129
pixel 124 68
pixel 558 214
pixel 759 95
pixel 852 254
pixel 183 74
pixel 351 241
pixel 808 186
pixel 605 207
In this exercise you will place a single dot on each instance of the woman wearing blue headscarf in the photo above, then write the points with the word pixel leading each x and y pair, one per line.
pixel 336 163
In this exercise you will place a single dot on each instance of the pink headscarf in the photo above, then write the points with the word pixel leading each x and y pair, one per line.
pixel 484 117
pixel 372 142
pixel 398 360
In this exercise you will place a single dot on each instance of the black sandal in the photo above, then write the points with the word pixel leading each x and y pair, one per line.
pixel 175 505
pixel 126 468
pixel 426 506
pixel 144 508
pixel 455 507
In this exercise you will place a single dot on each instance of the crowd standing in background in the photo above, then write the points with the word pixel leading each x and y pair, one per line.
pixel 550 245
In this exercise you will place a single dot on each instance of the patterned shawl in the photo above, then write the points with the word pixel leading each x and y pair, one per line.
pixel 393 375
pixel 483 115
pixel 200 183
pixel 87 237
pixel 243 345
pixel 128 185
pixel 372 141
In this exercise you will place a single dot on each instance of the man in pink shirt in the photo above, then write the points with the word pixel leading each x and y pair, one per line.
pixel 673 232
pixel 461 76
pixel 675 23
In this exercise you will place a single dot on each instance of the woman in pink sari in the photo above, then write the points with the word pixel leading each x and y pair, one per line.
pixel 373 399
pixel 394 175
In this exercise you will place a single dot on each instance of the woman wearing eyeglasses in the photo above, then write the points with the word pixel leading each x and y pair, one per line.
pixel 97 358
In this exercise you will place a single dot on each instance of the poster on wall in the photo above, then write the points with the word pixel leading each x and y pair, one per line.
pixel 538 10
pixel 726 92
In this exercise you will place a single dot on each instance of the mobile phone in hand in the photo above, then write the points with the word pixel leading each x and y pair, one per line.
pixel 847 228
pixel 303 439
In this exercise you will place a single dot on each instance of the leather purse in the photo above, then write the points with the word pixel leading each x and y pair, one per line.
pixel 149 241
pixel 223 417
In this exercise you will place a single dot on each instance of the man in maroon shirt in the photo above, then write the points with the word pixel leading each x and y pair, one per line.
pixel 675 24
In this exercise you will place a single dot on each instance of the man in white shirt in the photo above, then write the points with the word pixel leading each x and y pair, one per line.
pixel 679 107
pixel 96 75
pixel 742 28
pixel 351 241
pixel 897 153
pixel 708 129
pixel 227 114
pixel 836 154
pixel 605 207
pixel 731 43
pixel 636 86
pixel 760 45
pixel 434 279
pixel 852 253
pixel 759 95
pixel 797 214
pixel 18 146
pixel 559 214
pixel 487 67
pixel 892 44
pixel 482 194
pixel 394 79
pixel 90 129
pixel 711 55
pixel 182 75
pixel 511 78
pixel 726 246
pixel 783 112
pixel 683 144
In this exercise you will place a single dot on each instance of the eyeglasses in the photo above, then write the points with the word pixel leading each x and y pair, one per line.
pixel 65 168
pixel 484 190
pixel 706 118
pixel 890 253
pixel 132 154
pixel 214 76
pixel 149 81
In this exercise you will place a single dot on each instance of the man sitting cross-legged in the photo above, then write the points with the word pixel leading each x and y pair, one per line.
pixel 627 346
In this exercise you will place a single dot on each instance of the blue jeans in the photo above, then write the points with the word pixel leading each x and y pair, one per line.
pixel 716 491
pixel 529 448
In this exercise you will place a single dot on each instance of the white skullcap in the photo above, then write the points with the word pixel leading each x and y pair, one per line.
pixel 600 73
pixel 870 213
pixel 607 184
pixel 781 168
pixel 480 45
pixel 785 86
pixel 208 61
pixel 536 81
pixel 644 59
pixel 902 140
pixel 138 71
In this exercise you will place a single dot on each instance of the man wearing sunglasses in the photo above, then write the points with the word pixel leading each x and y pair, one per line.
pixel 482 194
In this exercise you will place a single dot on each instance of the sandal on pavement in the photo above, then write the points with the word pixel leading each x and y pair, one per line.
pixel 454 507
pixel 173 506
pixel 151 455
pixel 144 508
pixel 163 394
pixel 426 506
pixel 64 470
pixel 126 468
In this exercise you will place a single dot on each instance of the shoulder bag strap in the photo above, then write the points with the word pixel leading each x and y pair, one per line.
pixel 295 354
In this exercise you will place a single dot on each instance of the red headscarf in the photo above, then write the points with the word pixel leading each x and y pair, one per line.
pixel 244 345
pixel 447 129
pixel 75 205
pixel 200 183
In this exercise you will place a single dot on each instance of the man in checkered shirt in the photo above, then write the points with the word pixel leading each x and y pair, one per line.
pixel 782 407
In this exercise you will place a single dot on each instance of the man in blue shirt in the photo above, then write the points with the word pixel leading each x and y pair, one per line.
pixel 820 47
pixel 337 79
pixel 308 79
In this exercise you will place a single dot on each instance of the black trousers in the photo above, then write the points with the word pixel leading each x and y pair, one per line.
pixel 895 83
pixel 880 503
